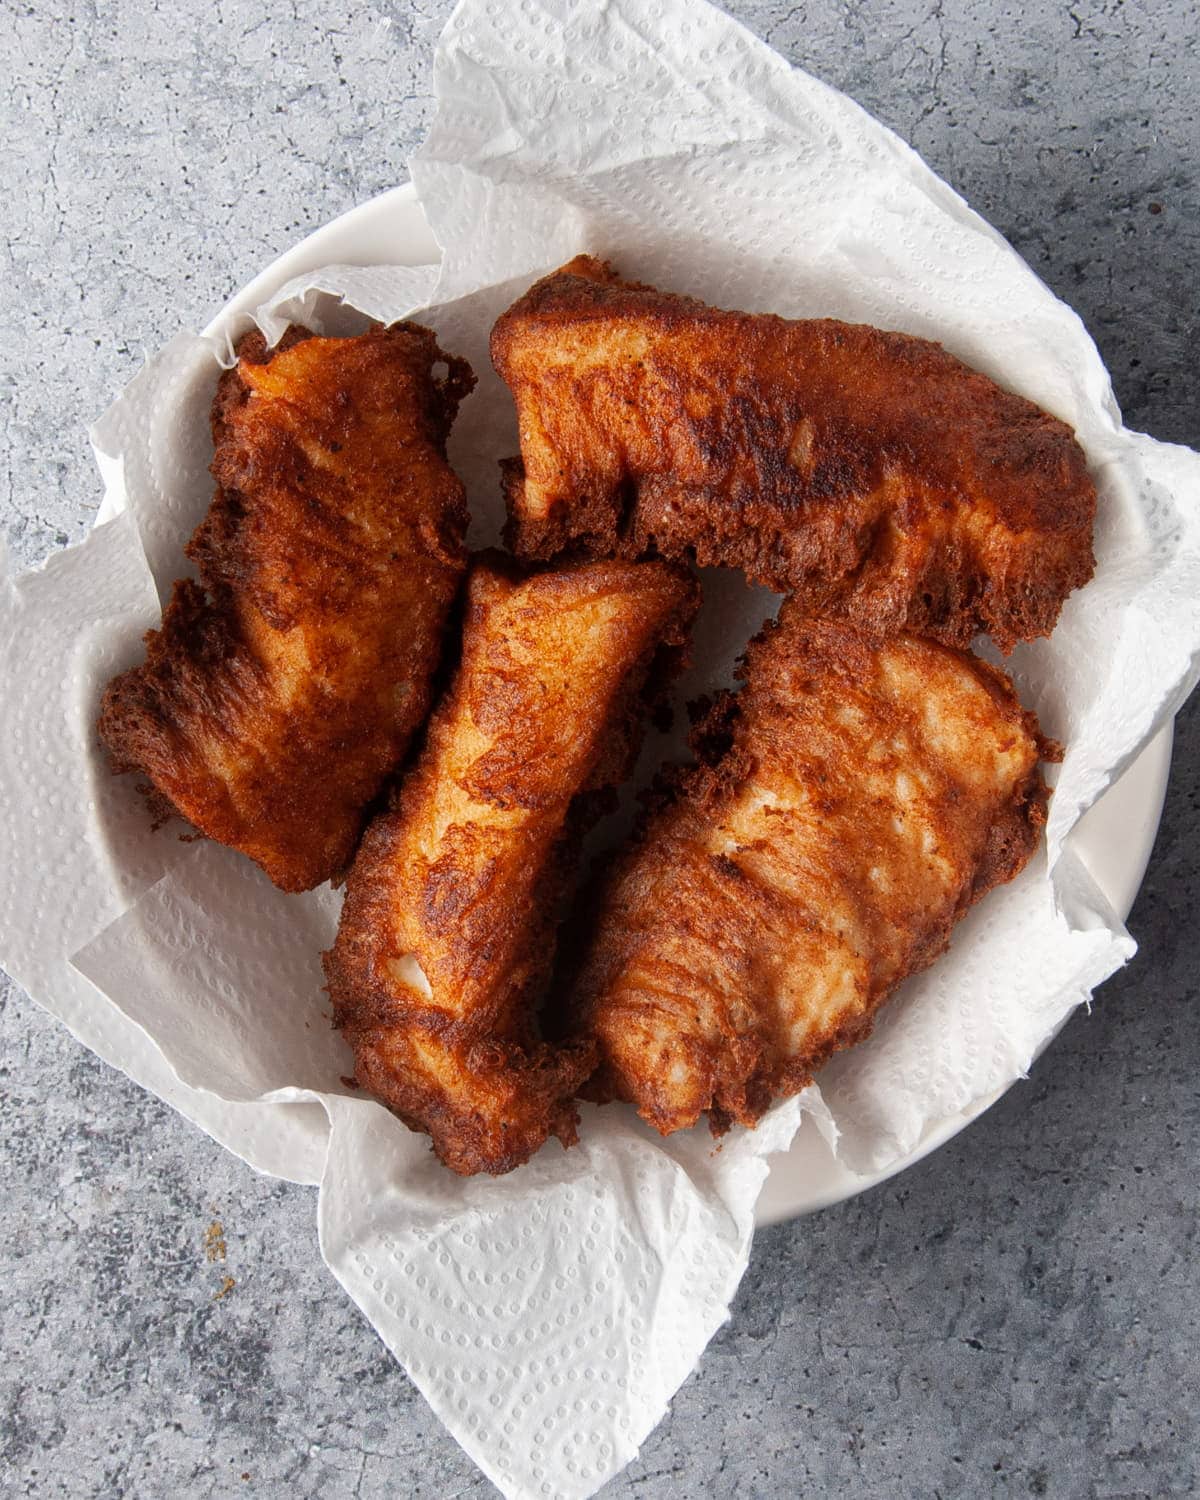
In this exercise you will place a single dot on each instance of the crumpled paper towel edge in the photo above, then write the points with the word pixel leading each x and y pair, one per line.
pixel 91 1017
pixel 993 231
pixel 300 294
pixel 920 174
pixel 1128 451
pixel 773 1135
pixel 1177 469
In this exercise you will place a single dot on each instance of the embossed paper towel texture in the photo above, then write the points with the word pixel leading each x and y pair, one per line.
pixel 549 1316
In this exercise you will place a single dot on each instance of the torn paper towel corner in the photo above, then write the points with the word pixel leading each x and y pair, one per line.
pixel 549 1316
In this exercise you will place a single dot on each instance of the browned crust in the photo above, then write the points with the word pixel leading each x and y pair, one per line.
pixel 282 689
pixel 469 872
pixel 870 473
pixel 729 918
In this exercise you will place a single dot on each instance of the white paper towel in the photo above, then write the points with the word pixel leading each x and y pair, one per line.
pixel 550 1315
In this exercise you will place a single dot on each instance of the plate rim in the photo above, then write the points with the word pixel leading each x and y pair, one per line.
pixel 394 222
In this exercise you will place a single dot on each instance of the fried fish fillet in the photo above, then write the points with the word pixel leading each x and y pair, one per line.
pixel 872 474
pixel 448 930
pixel 851 803
pixel 283 689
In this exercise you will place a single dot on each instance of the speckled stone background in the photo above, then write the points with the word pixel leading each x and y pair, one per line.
pixel 1020 1314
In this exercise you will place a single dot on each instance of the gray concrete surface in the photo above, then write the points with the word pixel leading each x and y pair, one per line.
pixel 1018 1315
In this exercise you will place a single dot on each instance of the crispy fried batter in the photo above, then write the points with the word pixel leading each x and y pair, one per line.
pixel 282 691
pixel 448 930
pixel 871 473
pixel 852 802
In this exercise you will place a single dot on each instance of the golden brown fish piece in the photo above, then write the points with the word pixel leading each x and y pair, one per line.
pixel 871 473
pixel 448 930
pixel 283 689
pixel 852 802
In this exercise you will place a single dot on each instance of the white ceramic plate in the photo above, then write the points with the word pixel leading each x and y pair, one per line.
pixel 1114 838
